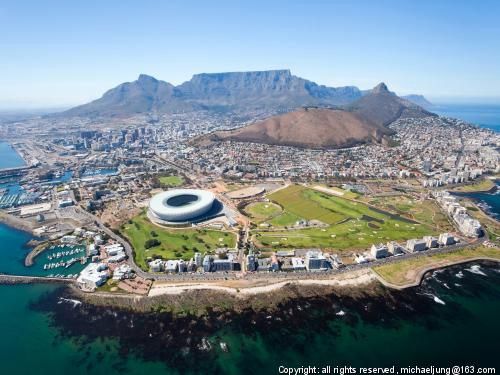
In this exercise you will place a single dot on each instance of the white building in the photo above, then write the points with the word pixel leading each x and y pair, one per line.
pixel 414 245
pixel 92 250
pixel 379 251
pixel 466 224
pixel 157 265
pixel 316 261
pixel 124 271
pixel 446 240
pixel 358 258
pixel 93 276
pixel 171 266
pixel 69 239
pixel 298 264
pixel 431 242
pixel 395 248
pixel 113 249
pixel 198 259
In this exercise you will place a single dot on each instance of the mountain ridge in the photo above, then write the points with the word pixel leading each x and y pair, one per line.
pixel 244 92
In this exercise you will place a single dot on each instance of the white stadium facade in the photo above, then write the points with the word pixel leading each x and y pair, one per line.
pixel 179 206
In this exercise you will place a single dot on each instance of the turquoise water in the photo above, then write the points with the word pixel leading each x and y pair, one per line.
pixel 29 345
pixel 9 158
pixel 13 252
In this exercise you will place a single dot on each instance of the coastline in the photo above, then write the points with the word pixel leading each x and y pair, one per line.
pixel 351 279
pixel 420 275
pixel 493 179
pixel 20 153
pixel 208 297
pixel 15 223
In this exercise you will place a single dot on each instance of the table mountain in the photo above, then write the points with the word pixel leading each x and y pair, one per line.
pixel 273 90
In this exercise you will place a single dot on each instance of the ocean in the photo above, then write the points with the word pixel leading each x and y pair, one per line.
pixel 9 158
pixel 44 334
pixel 484 115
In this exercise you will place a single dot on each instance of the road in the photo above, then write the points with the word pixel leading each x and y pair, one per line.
pixel 202 277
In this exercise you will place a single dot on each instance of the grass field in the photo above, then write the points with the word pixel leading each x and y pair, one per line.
pixel 171 181
pixel 404 272
pixel 345 193
pixel 286 219
pixel 350 225
pixel 175 243
pixel 425 211
pixel 481 185
pixel 261 211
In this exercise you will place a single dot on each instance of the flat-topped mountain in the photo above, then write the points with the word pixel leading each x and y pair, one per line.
pixel 363 121
pixel 240 92
pixel 273 90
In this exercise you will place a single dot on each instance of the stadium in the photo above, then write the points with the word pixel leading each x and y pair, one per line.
pixel 183 206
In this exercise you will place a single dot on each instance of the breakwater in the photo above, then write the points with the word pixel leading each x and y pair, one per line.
pixel 15 279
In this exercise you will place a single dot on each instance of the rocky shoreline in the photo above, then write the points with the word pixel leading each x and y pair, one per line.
pixel 200 301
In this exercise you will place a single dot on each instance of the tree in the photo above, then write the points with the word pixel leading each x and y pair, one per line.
pixel 152 242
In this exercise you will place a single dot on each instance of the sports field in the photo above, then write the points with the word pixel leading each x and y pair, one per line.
pixel 171 181
pixel 348 224
pixel 174 243
pixel 260 211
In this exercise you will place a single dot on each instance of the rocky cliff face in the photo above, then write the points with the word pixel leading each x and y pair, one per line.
pixel 240 92
pixel 146 94
pixel 272 90
pixel 382 106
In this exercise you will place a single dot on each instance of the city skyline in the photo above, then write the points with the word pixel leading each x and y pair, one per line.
pixel 73 54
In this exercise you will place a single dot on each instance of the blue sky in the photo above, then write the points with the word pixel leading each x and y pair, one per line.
pixel 59 53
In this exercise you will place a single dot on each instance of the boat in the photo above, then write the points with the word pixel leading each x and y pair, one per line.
pixel 224 347
pixel 70 262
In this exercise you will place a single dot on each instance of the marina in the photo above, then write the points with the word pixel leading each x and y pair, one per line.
pixel 63 259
